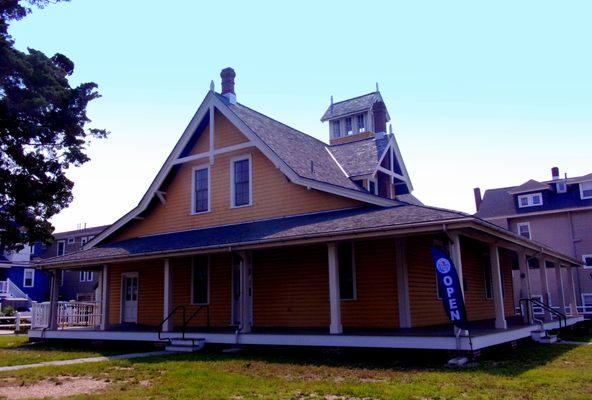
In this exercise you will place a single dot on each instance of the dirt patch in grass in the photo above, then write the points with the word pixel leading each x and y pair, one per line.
pixel 60 386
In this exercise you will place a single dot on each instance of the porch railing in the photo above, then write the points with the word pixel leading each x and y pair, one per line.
pixel 10 289
pixel 70 314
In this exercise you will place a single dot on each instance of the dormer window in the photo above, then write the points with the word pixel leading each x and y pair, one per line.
pixel 349 130
pixel 586 190
pixel 361 123
pixel 336 128
pixel 561 187
pixel 530 200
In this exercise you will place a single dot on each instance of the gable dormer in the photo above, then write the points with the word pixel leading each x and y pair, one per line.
pixel 356 118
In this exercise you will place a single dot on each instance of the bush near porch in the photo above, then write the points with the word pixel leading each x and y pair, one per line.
pixel 530 372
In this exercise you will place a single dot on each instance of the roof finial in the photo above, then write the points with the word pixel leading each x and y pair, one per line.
pixel 391 129
pixel 377 87
pixel 212 86
pixel 331 103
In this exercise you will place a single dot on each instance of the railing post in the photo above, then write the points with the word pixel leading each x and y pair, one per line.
pixel 17 322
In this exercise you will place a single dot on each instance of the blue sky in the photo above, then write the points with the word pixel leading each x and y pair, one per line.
pixel 480 94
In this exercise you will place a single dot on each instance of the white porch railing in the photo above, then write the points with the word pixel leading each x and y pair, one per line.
pixel 10 289
pixel 70 314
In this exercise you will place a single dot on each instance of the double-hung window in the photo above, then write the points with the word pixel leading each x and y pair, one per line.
pixel 336 128
pixel 200 280
pixel 347 271
pixel 530 200
pixel 524 229
pixel 61 247
pixel 241 185
pixel 586 190
pixel 361 123
pixel 201 189
pixel 349 130
pixel 86 276
pixel 28 277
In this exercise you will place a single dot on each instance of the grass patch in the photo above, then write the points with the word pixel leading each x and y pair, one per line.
pixel 16 350
pixel 529 372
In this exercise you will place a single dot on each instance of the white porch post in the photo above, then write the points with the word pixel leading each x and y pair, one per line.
pixel 167 296
pixel 53 300
pixel 571 290
pixel 246 298
pixel 334 297
pixel 560 290
pixel 544 285
pixel 104 298
pixel 402 284
pixel 525 286
pixel 498 294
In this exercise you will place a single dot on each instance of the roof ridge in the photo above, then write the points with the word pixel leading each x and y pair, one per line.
pixel 357 97
pixel 356 141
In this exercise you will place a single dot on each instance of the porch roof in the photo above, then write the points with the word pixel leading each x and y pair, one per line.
pixel 323 225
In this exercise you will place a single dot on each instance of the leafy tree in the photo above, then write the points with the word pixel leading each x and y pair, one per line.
pixel 42 133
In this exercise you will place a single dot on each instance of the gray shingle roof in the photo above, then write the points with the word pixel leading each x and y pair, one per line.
pixel 350 106
pixel 496 202
pixel 306 155
pixel 360 157
pixel 529 186
pixel 281 229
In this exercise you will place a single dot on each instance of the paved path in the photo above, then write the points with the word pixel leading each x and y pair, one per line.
pixel 574 343
pixel 84 360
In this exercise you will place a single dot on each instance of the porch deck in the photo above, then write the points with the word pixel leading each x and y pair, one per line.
pixel 439 337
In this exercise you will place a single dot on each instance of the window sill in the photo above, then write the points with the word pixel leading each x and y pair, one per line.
pixel 242 206
pixel 200 212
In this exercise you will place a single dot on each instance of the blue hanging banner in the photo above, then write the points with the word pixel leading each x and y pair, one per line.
pixel 449 289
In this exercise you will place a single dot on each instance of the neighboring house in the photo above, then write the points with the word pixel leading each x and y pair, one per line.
pixel 557 213
pixel 20 282
pixel 74 284
pixel 256 233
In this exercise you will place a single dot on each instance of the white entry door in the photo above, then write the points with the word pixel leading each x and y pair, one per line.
pixel 129 306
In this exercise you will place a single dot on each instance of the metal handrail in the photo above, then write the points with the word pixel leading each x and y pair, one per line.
pixel 185 320
pixel 550 309
pixel 168 317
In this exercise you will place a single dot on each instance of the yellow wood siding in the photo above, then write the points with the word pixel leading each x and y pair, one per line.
pixel 273 194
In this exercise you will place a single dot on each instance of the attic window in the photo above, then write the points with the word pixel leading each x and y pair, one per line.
pixel 561 187
pixel 531 200
pixel 336 128
pixel 349 130
pixel 361 123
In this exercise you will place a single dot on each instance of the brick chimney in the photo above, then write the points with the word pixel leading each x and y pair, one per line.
pixel 379 115
pixel 228 76
pixel 478 198
pixel 555 173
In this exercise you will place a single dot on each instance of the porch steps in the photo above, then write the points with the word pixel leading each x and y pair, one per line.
pixel 544 337
pixel 185 345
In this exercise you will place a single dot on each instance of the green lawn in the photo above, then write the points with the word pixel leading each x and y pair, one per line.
pixel 529 372
pixel 15 350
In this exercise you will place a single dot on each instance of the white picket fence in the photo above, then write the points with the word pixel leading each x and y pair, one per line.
pixel 70 314
pixel 16 322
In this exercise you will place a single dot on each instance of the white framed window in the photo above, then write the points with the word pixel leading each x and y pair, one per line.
pixel 347 271
pixel 71 240
pixel 336 128
pixel 61 247
pixel 361 123
pixel 200 280
pixel 523 229
pixel 538 310
pixel 587 260
pixel 28 277
pixel 530 200
pixel 200 189
pixel 587 302
pixel 86 276
pixel 83 241
pixel 349 129
pixel 241 181
pixel 586 190
pixel 561 187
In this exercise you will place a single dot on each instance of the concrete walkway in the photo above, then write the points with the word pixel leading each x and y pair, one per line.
pixel 85 360
pixel 572 342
